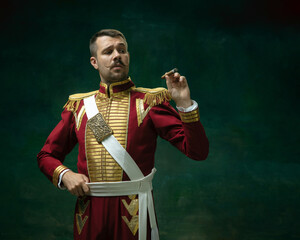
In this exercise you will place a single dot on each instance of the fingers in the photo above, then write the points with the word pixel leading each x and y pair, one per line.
pixel 176 76
pixel 79 190
pixel 182 81
pixel 168 82
pixel 179 78
pixel 85 187
pixel 85 178
pixel 169 73
pixel 175 79
pixel 76 184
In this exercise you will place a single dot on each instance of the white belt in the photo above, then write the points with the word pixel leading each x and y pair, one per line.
pixel 138 185
pixel 141 187
pixel 124 188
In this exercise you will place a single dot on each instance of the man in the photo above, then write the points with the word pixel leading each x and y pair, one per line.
pixel 114 186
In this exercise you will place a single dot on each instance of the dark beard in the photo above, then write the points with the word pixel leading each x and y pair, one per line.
pixel 117 77
pixel 110 76
pixel 121 78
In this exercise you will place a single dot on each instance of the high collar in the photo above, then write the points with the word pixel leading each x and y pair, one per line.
pixel 115 88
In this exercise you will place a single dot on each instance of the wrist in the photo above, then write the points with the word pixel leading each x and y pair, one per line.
pixel 66 175
pixel 184 103
pixel 60 180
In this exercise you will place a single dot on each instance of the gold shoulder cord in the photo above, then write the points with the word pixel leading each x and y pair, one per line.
pixel 73 104
pixel 154 96
pixel 74 100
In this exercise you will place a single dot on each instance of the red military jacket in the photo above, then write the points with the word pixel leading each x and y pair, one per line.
pixel 137 116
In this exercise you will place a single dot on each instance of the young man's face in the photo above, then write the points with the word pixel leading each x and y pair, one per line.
pixel 112 60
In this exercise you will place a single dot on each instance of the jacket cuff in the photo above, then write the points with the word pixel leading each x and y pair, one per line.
pixel 188 109
pixel 56 174
pixel 190 117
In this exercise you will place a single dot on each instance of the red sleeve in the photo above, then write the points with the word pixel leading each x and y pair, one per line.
pixel 184 131
pixel 59 143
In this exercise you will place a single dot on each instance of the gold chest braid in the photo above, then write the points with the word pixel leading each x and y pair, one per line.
pixel 115 110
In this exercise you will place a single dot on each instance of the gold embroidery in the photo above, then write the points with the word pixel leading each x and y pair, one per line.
pixel 81 209
pixel 115 84
pixel 155 96
pixel 80 222
pixel 101 166
pixel 133 224
pixel 133 207
pixel 82 206
pixel 140 110
pixel 132 196
pixel 109 89
pixel 56 174
pixel 99 127
pixel 78 118
pixel 100 95
pixel 74 100
pixel 189 117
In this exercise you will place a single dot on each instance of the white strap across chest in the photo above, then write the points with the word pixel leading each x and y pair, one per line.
pixel 139 184
pixel 113 146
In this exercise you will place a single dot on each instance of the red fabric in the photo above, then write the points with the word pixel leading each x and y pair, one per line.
pixel 104 221
pixel 162 120
pixel 59 143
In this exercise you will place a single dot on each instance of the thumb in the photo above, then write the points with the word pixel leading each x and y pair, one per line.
pixel 168 81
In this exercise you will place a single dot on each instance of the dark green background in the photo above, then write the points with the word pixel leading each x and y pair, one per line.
pixel 241 59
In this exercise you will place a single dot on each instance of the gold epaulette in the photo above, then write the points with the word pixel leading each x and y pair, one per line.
pixel 74 100
pixel 154 96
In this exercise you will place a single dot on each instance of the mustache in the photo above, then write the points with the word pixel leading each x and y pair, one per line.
pixel 117 63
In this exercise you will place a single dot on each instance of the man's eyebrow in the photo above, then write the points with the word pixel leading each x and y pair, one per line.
pixel 110 46
pixel 121 45
pixel 107 48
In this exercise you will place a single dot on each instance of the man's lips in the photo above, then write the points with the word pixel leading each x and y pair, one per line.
pixel 118 65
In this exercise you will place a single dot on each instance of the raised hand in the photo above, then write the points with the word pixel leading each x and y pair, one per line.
pixel 179 89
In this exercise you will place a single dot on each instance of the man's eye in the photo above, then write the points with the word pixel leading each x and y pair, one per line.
pixel 122 51
pixel 108 52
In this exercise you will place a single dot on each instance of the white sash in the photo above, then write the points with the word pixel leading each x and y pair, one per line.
pixel 139 184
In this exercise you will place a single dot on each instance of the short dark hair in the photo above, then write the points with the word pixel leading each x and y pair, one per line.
pixel 103 32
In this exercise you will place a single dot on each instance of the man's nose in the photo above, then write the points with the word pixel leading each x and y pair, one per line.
pixel 116 55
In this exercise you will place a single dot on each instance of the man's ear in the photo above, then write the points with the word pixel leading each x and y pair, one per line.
pixel 93 61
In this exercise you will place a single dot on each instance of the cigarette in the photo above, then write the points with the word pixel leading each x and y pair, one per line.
pixel 174 70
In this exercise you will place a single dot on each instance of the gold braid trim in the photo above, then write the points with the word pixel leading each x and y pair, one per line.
pixel 189 117
pixel 74 100
pixel 155 96
pixel 72 105
pixel 56 174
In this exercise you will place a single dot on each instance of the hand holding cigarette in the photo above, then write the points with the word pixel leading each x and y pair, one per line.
pixel 174 70
pixel 178 88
